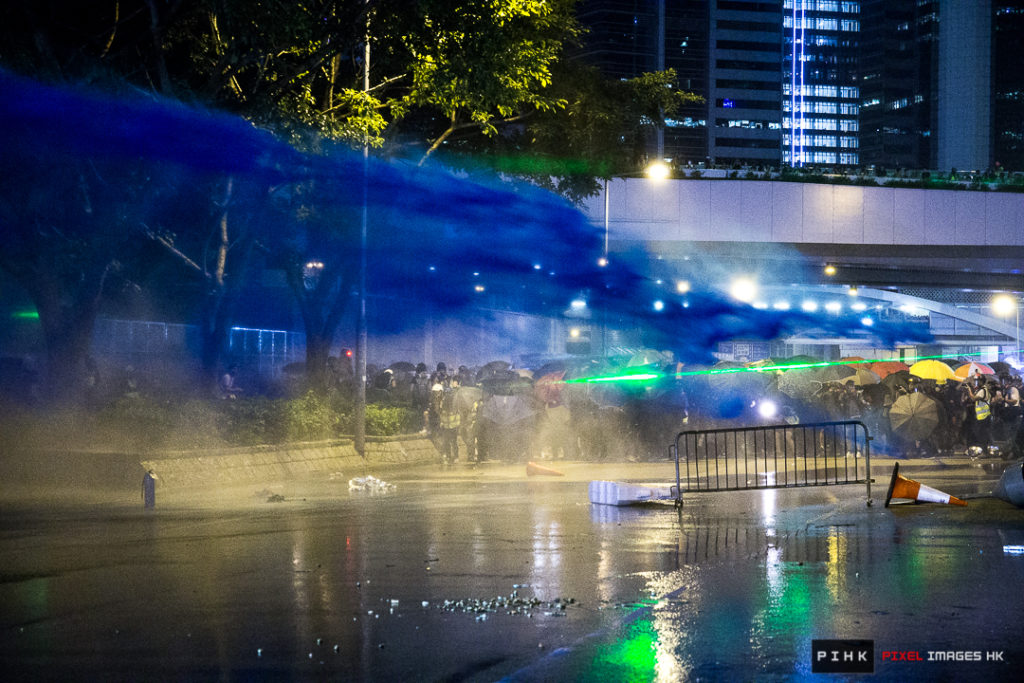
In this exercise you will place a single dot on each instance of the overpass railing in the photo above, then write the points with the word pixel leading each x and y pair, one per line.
pixel 773 457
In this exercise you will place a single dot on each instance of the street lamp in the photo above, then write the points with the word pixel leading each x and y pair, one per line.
pixel 1003 305
pixel 743 289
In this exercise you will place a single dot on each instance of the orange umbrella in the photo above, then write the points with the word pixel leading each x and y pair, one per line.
pixel 933 369
pixel 884 368
pixel 973 368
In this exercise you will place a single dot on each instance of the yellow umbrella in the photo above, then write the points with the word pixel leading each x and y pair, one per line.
pixel 933 369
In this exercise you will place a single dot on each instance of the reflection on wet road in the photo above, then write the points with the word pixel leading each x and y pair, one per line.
pixel 480 579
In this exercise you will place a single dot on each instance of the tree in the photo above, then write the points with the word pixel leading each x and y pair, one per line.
pixel 447 78
pixel 66 253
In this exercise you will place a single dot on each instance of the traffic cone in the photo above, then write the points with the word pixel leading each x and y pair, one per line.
pixel 901 487
pixel 533 468
pixel 1011 485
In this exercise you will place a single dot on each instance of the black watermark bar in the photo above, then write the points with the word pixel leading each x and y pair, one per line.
pixel 842 656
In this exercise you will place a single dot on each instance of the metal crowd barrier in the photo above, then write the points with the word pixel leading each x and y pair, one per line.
pixel 773 457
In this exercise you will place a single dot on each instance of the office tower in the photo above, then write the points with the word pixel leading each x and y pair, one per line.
pixel 627 38
pixel 899 41
pixel 745 83
pixel 1008 85
pixel 821 93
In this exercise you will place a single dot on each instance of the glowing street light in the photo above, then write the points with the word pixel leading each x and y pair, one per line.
pixel 1003 305
pixel 743 289
pixel 657 170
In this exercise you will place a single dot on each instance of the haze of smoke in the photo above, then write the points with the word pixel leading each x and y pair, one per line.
pixel 433 236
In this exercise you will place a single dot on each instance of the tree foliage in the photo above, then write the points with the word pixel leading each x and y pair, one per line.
pixel 458 79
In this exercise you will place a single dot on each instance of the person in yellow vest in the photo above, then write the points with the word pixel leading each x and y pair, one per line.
pixel 978 416
pixel 449 421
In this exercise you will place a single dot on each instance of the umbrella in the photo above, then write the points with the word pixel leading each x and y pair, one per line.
pixel 496 368
pixel 764 363
pixel 549 367
pixel 831 373
pixel 973 368
pixel 897 379
pixel 932 369
pixel 798 360
pixel 797 384
pixel 862 377
pixel 645 357
pixel 1002 368
pixel 887 367
pixel 402 366
pixel 853 359
pixel 549 387
pixel 506 410
pixel 914 416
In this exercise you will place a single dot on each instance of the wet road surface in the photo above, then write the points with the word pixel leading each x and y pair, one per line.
pixel 487 574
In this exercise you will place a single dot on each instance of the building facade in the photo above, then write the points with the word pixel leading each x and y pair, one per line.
pixel 843 84
pixel 821 93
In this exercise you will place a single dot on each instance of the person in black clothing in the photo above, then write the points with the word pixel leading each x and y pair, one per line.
pixel 1009 413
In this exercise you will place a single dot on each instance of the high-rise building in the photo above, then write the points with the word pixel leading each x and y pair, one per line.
pixel 932 84
pixel 745 83
pixel 821 92
pixel 1008 85
pixel 899 41
pixel 964 85
pixel 627 38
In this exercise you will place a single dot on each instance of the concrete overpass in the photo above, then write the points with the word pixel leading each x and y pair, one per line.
pixel 943 253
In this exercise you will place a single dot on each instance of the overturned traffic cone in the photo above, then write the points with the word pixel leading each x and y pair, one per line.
pixel 533 469
pixel 901 487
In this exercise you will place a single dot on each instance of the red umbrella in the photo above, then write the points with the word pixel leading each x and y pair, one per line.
pixel 883 368
pixel 549 387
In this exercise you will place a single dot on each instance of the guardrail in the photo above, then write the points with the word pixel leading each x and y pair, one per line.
pixel 773 457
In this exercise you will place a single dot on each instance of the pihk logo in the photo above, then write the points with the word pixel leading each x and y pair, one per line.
pixel 842 656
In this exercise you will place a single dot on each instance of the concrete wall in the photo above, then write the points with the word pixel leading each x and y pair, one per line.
pixel 275 464
pixel 788 212
pixel 102 476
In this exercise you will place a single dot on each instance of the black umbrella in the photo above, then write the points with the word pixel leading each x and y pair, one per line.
pixel 915 416
pixel 511 385
pixel 550 367
pixel 897 379
pixel 402 366
pixel 1002 368
pixel 496 368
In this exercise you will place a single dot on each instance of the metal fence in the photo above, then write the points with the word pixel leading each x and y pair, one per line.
pixel 773 457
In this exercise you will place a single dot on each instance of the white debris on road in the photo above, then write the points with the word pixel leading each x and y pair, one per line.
pixel 370 484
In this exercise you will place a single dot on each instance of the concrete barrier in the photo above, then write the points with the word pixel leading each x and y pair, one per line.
pixel 71 472
pixel 283 463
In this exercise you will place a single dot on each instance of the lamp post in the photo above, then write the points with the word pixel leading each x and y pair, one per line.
pixel 359 413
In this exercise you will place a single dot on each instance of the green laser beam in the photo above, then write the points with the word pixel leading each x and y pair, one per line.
pixel 649 376
pixel 25 315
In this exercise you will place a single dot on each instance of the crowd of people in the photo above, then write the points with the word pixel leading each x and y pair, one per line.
pixel 497 412
pixel 981 415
